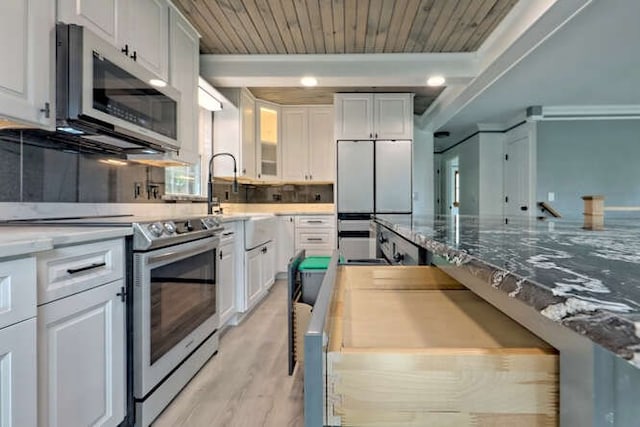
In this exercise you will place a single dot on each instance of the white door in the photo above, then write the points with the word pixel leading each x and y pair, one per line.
pixel 254 276
pixel 355 176
pixel 452 172
pixel 392 117
pixel 81 359
pixel 18 378
pixel 101 17
pixel 27 42
pixel 517 199
pixel 226 282
pixel 393 177
pixel 322 146
pixel 285 239
pixel 185 69
pixel 354 116
pixel 294 144
pixel 148 35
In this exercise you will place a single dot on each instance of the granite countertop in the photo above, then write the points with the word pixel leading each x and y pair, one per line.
pixel 589 281
pixel 23 240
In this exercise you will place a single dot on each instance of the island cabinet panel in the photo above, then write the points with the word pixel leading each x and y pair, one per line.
pixel 410 346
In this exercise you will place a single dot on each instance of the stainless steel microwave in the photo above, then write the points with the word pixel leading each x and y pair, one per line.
pixel 105 96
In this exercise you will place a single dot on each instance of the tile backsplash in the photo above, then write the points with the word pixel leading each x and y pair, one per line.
pixel 35 169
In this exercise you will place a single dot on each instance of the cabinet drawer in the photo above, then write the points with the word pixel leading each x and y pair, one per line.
pixel 415 332
pixel 17 290
pixel 69 270
pixel 319 221
pixel 315 238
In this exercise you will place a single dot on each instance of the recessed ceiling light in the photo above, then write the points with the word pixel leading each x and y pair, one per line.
pixel 309 81
pixel 435 81
pixel 157 83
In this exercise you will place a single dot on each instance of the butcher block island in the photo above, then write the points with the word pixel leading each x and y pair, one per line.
pixel 410 346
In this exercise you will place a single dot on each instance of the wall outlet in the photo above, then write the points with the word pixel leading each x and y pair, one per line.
pixel 551 196
pixel 317 197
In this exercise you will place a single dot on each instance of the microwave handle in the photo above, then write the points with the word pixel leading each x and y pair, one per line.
pixel 181 254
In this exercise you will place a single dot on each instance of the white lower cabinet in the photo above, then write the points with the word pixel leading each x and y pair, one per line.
pixel 18 378
pixel 313 233
pixel 227 281
pixel 285 241
pixel 253 264
pixel 81 359
pixel 260 272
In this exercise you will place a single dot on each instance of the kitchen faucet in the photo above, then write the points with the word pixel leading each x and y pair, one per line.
pixel 234 187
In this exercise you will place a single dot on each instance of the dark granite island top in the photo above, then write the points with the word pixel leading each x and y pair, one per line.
pixel 588 281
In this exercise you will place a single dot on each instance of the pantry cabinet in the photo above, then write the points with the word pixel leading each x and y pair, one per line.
pixel 308 147
pixel 27 43
pixel 138 28
pixel 373 116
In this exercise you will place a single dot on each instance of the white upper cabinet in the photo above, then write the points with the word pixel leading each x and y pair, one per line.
pixel 295 144
pixel 27 43
pixel 147 34
pixel 393 116
pixel 374 116
pixel 138 28
pixel 308 152
pixel 322 145
pixel 234 131
pixel 185 70
pixel 268 141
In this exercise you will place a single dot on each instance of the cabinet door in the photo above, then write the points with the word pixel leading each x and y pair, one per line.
pixel 354 116
pixel 253 277
pixel 268 265
pixel 355 184
pixel 81 359
pixel 294 144
pixel 226 282
pixel 248 135
pixel 18 378
pixel 322 146
pixel 393 116
pixel 184 77
pixel 102 17
pixel 285 242
pixel 268 141
pixel 147 34
pixel 27 41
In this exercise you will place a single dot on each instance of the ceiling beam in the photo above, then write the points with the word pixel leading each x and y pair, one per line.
pixel 341 70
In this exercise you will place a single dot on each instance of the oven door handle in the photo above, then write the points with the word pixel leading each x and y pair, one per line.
pixel 181 254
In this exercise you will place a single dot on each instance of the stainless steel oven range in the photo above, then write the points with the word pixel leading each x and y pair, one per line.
pixel 175 315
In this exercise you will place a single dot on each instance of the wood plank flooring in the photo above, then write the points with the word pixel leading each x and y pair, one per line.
pixel 246 383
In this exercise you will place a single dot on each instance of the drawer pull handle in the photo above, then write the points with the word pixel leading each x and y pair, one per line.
pixel 314 239
pixel 229 233
pixel 314 221
pixel 86 267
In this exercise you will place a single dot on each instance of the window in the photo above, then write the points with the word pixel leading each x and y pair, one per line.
pixel 192 179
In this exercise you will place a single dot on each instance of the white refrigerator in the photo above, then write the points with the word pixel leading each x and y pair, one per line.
pixel 374 177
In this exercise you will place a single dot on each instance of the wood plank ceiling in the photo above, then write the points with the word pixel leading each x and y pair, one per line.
pixel 343 26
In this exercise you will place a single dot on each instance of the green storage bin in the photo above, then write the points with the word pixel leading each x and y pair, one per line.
pixel 312 270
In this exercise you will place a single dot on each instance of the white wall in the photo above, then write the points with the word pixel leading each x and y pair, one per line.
pixel 480 166
pixel 423 172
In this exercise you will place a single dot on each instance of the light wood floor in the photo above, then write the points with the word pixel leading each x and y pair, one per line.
pixel 246 383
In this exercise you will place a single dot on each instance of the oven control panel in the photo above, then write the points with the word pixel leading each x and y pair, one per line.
pixel 155 234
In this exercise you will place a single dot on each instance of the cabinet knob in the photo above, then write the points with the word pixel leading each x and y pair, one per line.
pixel 220 254
pixel 376 136
pixel 135 56
pixel 310 176
pixel 370 135
pixel 125 49
pixel 244 171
